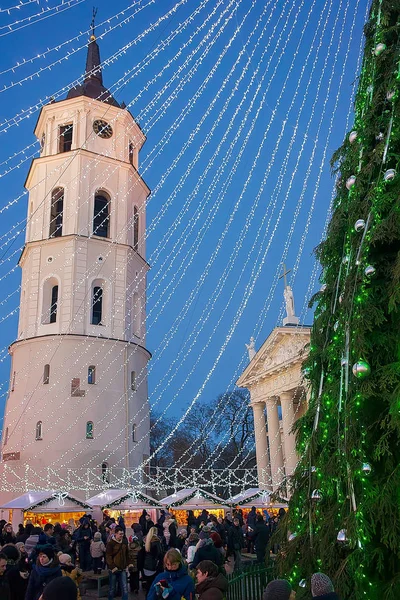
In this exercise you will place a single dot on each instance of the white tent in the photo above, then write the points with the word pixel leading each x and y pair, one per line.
pixel 194 499
pixel 48 501
pixel 132 502
pixel 254 497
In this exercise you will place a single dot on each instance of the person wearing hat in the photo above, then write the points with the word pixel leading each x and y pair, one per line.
pixel 279 589
pixel 5 593
pixel 45 570
pixel 322 587
pixel 69 570
pixel 206 550
pixel 236 543
pixel 60 588
pixel 97 552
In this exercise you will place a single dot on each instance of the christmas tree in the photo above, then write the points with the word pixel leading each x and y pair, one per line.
pixel 344 514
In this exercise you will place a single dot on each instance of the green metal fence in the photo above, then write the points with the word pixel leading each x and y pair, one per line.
pixel 249 583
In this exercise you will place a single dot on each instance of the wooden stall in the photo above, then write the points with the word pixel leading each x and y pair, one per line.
pixel 258 498
pixel 196 500
pixel 128 503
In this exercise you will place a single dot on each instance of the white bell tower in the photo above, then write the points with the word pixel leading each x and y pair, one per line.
pixel 78 387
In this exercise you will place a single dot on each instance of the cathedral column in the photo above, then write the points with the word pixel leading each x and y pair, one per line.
pixel 275 442
pixel 289 439
pixel 260 433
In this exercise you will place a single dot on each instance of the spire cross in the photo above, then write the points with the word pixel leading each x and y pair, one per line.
pixel 92 25
pixel 284 275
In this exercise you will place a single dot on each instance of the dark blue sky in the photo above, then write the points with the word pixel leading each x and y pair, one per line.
pixel 254 198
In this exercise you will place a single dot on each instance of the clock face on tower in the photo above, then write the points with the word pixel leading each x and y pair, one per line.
pixel 102 129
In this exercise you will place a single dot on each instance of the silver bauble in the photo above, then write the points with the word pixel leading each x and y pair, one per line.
pixel 303 583
pixel 366 468
pixel 345 259
pixel 359 225
pixel 352 137
pixel 323 287
pixel 379 137
pixel 316 496
pixel 390 95
pixel 313 469
pixel 361 369
pixel 379 48
pixel 344 362
pixel 342 536
pixel 389 175
pixel 350 182
pixel 369 271
pixel 292 537
pixel 336 326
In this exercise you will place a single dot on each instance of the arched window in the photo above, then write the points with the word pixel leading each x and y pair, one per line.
pixel 134 432
pixel 65 137
pixel 89 430
pixel 50 300
pixel 39 430
pixel 135 228
pixel 97 303
pixel 46 374
pixel 101 215
pixel 105 473
pixel 133 381
pixel 131 153
pixel 56 212
pixel 54 303
pixel 91 378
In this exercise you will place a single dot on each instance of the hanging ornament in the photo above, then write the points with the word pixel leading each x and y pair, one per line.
pixel 342 536
pixel 265 498
pixel 292 536
pixel 302 583
pixel 389 175
pixel 346 259
pixel 344 362
pixel 323 287
pixel 352 137
pixel 316 496
pixel 359 225
pixel 306 371
pixel 366 468
pixel 369 271
pixel 379 48
pixel 60 496
pixel 132 495
pixel 370 89
pixel 313 469
pixel 390 95
pixel 350 182
pixel 379 137
pixel 336 326
pixel 361 369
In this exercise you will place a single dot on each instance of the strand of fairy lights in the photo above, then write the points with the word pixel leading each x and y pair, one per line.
pixel 18 6
pixel 36 18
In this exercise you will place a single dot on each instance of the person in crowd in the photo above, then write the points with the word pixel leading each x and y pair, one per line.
pixel 236 543
pixel 5 593
pixel 20 535
pixel 222 530
pixel 216 538
pixel 153 554
pixel 45 570
pixel 170 531
pixel 203 517
pixel 174 582
pixel 180 540
pixel 22 551
pixel 261 538
pixel 65 544
pixel 61 588
pixel 322 587
pixel 142 520
pixel 32 541
pixel 135 556
pixel 48 531
pixel 148 524
pixel 211 584
pixel 69 570
pixel 252 517
pixel 83 538
pixel 191 547
pixel 206 550
pixel 18 579
pixel 279 589
pixel 117 562
pixel 137 531
pixel 191 521
pixel 7 535
pixel 160 523
pixel 97 552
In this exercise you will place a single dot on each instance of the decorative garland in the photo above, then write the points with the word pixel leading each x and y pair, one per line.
pixel 36 504
pixel 197 494
pixel 139 496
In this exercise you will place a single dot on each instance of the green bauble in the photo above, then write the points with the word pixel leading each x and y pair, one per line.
pixel 361 369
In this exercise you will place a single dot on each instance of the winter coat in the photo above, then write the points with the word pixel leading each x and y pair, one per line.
pixel 81 534
pixel 170 531
pixel 252 518
pixel 97 549
pixel 40 577
pixel 152 559
pixel 116 555
pixel 134 547
pixel 212 588
pixel 261 536
pixel 18 585
pixel 329 596
pixel 207 552
pixel 5 593
pixel 73 573
pixel 7 538
pixel 235 538
pixel 182 585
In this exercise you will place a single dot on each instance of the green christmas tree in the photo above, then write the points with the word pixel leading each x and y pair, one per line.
pixel 344 514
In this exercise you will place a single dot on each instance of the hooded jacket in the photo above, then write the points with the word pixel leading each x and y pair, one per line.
pixel 207 552
pixel 40 577
pixel 212 588
pixel 116 554
pixel 181 584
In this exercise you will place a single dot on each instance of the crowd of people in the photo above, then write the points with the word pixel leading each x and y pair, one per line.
pixel 168 561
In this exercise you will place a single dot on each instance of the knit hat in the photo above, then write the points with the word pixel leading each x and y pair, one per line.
pixel 206 529
pixel 321 584
pixel 279 589
pixel 46 549
pixel 216 538
pixel 97 536
pixel 64 559
pixel 19 545
pixel 12 553
pixel 60 588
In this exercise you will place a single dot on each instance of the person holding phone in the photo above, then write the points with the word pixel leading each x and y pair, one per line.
pixel 174 582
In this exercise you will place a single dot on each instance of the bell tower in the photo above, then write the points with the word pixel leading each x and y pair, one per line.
pixel 77 401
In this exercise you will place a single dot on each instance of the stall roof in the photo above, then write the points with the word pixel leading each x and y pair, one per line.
pixel 47 501
pixel 193 498
pixel 254 497
pixel 124 500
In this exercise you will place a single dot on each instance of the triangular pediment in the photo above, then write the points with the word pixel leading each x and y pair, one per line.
pixel 284 346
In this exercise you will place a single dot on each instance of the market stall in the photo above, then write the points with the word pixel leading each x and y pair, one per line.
pixel 128 503
pixel 45 507
pixel 196 500
pixel 258 498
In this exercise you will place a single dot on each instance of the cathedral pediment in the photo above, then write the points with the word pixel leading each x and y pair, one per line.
pixel 283 347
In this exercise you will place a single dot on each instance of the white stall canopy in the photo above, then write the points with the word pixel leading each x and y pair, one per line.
pixel 194 499
pixel 124 500
pixel 254 497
